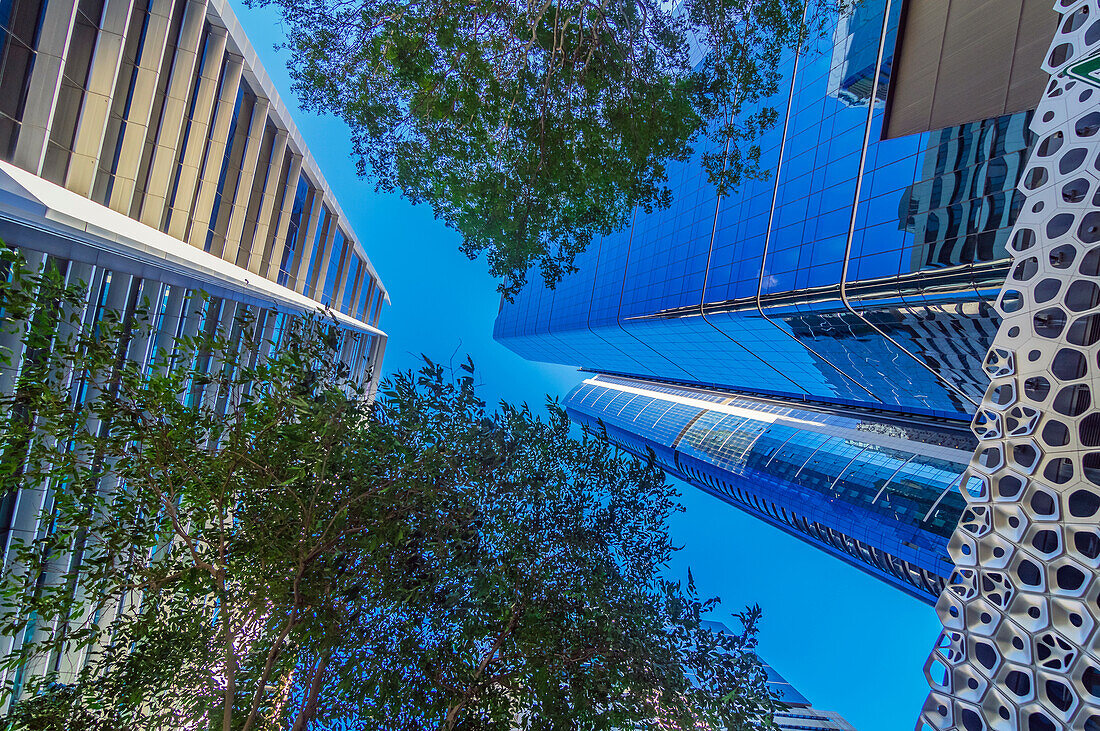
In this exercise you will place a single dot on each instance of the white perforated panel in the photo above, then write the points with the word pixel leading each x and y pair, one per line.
pixel 1020 648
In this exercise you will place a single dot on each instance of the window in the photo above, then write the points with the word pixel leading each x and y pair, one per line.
pixel 194 97
pixel 230 176
pixel 336 272
pixel 354 280
pixel 256 196
pixel 318 254
pixel 299 213
pixel 20 24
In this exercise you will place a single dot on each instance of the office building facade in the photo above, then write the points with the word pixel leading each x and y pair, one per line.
pixel 146 155
pixel 144 149
pixel 862 271
pixel 860 275
pixel 128 127
pixel 883 497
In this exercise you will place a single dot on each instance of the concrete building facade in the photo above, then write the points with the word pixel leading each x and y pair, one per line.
pixel 157 118
pixel 146 156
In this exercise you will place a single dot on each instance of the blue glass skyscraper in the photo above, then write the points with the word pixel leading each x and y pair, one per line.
pixel 881 496
pixel 862 271
pixel 799 714
pixel 860 275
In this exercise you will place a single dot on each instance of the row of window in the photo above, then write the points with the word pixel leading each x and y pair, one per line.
pixel 176 312
pixel 784 714
pixel 921 579
pixel 939 325
pixel 864 553
pixel 832 459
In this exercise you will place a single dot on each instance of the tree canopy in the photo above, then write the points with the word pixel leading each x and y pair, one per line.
pixel 233 537
pixel 532 126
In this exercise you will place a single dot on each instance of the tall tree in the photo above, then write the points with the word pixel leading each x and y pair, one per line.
pixel 232 542
pixel 530 126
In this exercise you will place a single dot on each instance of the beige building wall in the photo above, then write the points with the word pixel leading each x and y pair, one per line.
pixel 960 61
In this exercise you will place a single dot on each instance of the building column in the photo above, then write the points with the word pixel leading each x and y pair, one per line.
pixel 347 276
pixel 247 177
pixel 211 167
pixel 11 337
pixel 348 341
pixel 261 240
pixel 266 335
pixel 323 264
pixel 374 284
pixel 302 251
pixel 268 266
pixel 30 501
pixel 360 282
pixel 193 139
pixel 170 324
pixel 193 315
pixel 174 115
pixel 227 328
pixel 374 360
pixel 44 85
pixel 98 95
pixel 355 281
pixel 143 337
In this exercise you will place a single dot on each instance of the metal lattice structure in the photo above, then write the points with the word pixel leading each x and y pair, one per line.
pixel 1021 642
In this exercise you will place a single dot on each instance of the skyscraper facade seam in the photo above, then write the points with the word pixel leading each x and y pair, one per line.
pixel 768 232
pixel 706 277
pixel 855 211
pixel 622 293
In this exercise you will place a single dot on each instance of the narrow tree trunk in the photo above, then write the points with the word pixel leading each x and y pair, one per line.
pixel 455 711
pixel 309 707
pixel 269 664
pixel 230 665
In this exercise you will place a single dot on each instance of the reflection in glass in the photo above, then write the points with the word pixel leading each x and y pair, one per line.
pixel 881 495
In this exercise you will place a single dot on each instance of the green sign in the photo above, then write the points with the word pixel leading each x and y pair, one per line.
pixel 1087 70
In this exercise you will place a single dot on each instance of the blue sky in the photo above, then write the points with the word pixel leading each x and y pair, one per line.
pixel 848 642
